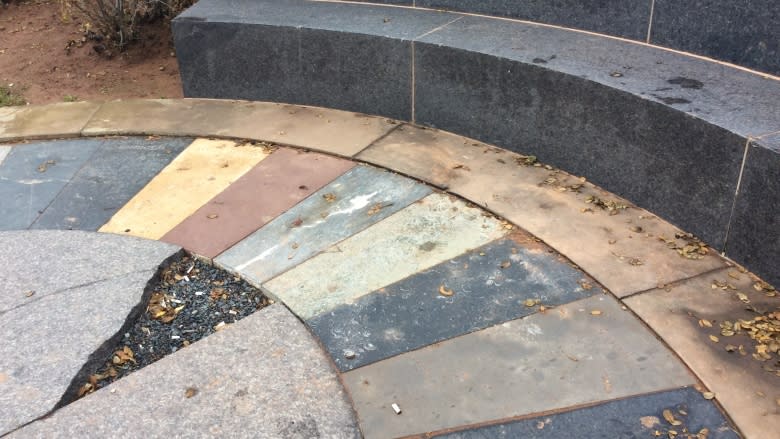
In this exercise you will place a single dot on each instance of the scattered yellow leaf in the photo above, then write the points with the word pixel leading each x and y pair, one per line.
pixel 445 292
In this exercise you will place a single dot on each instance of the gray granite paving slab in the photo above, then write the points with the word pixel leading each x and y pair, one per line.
pixel 111 177
pixel 51 261
pixel 25 190
pixel 4 150
pixel 432 230
pixel 489 285
pixel 564 357
pixel 48 342
pixel 263 377
pixel 638 417
pixel 335 212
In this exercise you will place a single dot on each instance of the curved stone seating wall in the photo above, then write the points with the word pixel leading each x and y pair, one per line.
pixel 740 32
pixel 677 135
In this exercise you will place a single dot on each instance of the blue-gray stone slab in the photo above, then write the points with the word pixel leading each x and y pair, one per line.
pixel 485 86
pixel 413 313
pixel 337 211
pixel 621 18
pixel 34 174
pixel 743 32
pixel 111 177
pixel 754 239
pixel 636 417
pixel 290 48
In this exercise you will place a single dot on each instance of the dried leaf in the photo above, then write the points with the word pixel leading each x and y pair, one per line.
pixel 530 303
pixel 669 416
pixel 705 323
pixel 585 285
pixel 714 338
pixel 212 216
pixel 506 264
pixel 190 392
pixel 708 395
pixel 329 197
pixel 445 292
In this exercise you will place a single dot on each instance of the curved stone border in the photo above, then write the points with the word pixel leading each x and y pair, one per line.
pixel 677 135
pixel 740 32
pixel 623 252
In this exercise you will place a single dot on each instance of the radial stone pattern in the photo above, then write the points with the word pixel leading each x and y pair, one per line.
pixel 438 316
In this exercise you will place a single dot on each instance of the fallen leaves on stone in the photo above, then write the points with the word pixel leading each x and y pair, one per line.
pixel 123 356
pixel 376 208
pixel 691 247
pixel 526 160
pixel 444 291
pixel 329 197
pixel 609 205
pixel 43 167
pixel 161 307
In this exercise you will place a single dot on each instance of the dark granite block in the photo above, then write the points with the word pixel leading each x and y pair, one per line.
pixel 489 286
pixel 623 18
pixel 32 175
pixel 302 53
pixel 112 176
pixel 755 229
pixel 673 164
pixel 742 32
pixel 636 417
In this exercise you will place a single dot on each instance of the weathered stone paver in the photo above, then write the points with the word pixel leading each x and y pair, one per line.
pixel 750 394
pixel 50 261
pixel 4 150
pixel 53 339
pixel 621 251
pixel 34 174
pixel 276 184
pixel 564 357
pixel 56 120
pixel 112 176
pixel 500 281
pixel 198 174
pixel 64 296
pixel 430 231
pixel 337 211
pixel 264 376
pixel 333 131
pixel 637 417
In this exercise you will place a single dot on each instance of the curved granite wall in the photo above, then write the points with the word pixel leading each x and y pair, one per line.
pixel 742 32
pixel 674 134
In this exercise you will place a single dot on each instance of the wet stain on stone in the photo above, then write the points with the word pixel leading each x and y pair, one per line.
pixel 428 246
pixel 539 61
pixel 671 100
pixel 686 82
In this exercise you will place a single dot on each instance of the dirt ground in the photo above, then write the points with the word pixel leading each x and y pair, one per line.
pixel 35 63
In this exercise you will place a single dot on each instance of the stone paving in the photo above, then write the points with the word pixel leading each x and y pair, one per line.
pixel 427 284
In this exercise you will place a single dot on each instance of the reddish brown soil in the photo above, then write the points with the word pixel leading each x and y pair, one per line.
pixel 33 38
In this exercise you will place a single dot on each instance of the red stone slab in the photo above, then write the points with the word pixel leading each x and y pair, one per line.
pixel 276 184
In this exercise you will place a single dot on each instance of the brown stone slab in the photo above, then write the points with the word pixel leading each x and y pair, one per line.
pixel 333 131
pixel 748 393
pixel 45 121
pixel 274 185
pixel 622 251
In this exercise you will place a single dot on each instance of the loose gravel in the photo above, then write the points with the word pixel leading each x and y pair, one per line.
pixel 192 300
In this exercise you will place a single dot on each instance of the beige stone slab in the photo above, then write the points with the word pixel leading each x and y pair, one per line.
pixel 611 248
pixel 45 121
pixel 333 131
pixel 197 175
pixel 749 394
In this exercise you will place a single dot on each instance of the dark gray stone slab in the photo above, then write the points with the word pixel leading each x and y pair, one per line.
pixel 111 177
pixel 26 191
pixel 754 239
pixel 51 261
pixel 413 313
pixel 742 32
pixel 263 377
pixel 621 18
pixel 635 417
pixel 290 50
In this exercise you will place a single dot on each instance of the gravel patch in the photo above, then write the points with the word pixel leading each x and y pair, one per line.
pixel 192 300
